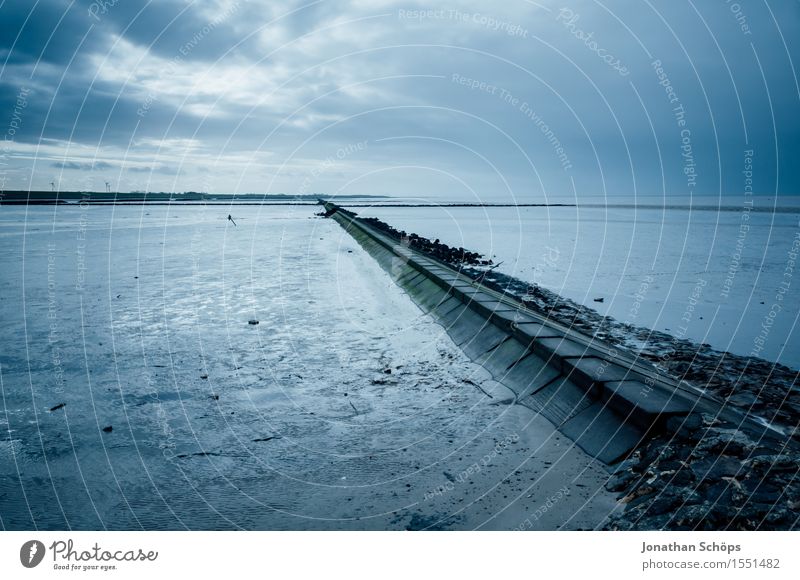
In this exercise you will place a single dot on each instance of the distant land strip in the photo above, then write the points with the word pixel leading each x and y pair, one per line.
pixel 172 203
pixel 589 206
pixel 585 206
pixel 460 205
pixel 60 197
pixel 738 208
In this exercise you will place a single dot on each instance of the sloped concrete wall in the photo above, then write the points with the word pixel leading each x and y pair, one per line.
pixel 601 399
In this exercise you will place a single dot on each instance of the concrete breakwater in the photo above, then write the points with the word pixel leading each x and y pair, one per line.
pixel 604 399
pixel 679 457
pixel 601 398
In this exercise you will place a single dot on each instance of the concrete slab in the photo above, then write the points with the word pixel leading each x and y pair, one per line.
pixel 448 279
pixel 447 307
pixel 645 405
pixel 442 271
pixel 444 307
pixel 408 277
pixel 602 433
pixel 510 318
pixel 427 294
pixel 557 349
pixel 422 285
pixel 489 306
pixel 415 280
pixel 558 401
pixel 529 374
pixel 487 298
pixel 462 324
pixel 587 371
pixel 498 360
pixel 455 288
pixel 420 259
pixel 488 337
pixel 537 330
pixel 464 287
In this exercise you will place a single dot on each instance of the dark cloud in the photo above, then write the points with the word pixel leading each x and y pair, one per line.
pixel 82 166
pixel 49 32
pixel 160 169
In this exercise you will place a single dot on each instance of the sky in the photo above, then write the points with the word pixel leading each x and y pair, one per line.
pixel 476 101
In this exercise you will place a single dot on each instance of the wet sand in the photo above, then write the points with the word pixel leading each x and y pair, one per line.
pixel 345 407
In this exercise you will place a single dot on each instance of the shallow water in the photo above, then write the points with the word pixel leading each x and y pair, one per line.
pixel 137 318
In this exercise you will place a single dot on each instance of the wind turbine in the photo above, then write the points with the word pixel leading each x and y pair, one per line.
pixel 52 186
pixel 108 187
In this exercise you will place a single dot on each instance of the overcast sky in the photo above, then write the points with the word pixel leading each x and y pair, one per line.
pixel 471 100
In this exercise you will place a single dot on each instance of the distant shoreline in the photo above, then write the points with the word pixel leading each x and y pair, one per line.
pixel 585 206
pixel 271 202
pixel 73 203
pixel 16 197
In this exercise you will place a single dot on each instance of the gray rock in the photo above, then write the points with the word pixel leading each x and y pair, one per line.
pixel 631 463
pixel 621 480
pixel 742 399
pixel 716 467
pixel 773 463
pixel 700 516
pixel 719 492
pixel 730 441
pixel 669 500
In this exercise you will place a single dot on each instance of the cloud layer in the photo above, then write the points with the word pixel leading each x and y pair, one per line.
pixel 525 100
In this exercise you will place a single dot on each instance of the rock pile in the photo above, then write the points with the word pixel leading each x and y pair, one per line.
pixel 454 256
pixel 705 474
